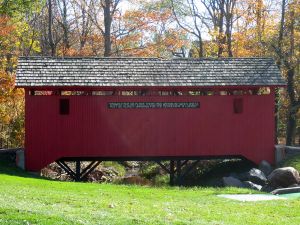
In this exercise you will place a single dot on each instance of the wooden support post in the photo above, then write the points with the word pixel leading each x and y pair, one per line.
pixel 66 168
pixel 77 171
pixel 90 168
pixel 78 174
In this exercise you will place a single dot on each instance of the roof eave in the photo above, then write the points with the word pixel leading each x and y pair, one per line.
pixel 150 87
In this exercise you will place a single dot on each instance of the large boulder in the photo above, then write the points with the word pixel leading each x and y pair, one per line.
pixel 257 176
pixel 281 191
pixel 265 167
pixel 251 185
pixel 232 182
pixel 284 177
pixel 267 188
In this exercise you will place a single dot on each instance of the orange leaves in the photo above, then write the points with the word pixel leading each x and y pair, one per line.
pixel 145 20
pixel 11 99
pixel 5 27
pixel 7 36
pixel 144 30
pixel 150 33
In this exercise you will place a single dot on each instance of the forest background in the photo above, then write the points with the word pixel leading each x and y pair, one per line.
pixel 157 28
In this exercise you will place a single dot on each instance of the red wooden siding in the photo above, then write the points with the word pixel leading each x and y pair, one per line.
pixel 217 128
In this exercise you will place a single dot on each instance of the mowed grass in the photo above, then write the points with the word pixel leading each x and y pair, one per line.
pixel 293 161
pixel 26 199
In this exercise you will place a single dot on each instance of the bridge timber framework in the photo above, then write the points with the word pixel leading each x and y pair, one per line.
pixel 177 167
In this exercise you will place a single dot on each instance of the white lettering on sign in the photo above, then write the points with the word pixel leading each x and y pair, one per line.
pixel 153 105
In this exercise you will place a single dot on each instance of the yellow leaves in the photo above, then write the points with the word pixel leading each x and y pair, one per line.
pixel 11 109
pixel 11 99
pixel 5 119
pixel 253 29
pixel 6 82
pixel 26 37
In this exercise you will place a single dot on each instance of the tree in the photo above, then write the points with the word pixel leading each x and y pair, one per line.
pixel 148 31
pixel 229 13
pixel 291 64
pixel 11 100
pixel 50 25
pixel 216 16
pixel 107 9
pixel 82 21
pixel 287 50
pixel 63 21
pixel 183 9
pixel 17 37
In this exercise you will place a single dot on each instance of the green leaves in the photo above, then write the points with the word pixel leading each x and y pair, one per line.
pixel 13 7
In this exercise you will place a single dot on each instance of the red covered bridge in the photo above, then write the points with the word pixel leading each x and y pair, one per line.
pixel 147 109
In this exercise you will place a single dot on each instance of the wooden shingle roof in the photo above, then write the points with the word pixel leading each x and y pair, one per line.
pixel 125 72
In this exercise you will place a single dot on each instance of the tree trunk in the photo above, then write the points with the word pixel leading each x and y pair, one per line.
pixel 84 32
pixel 279 63
pixel 221 37
pixel 50 35
pixel 276 114
pixel 229 40
pixel 229 12
pixel 200 51
pixel 258 19
pixel 65 28
pixel 280 36
pixel 107 28
pixel 292 108
pixel 293 103
pixel 291 127
pixel 298 136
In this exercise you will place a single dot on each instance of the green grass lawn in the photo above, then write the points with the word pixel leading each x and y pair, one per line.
pixel 25 199
pixel 292 161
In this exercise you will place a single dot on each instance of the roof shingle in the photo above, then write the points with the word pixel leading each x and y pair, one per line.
pixel 100 72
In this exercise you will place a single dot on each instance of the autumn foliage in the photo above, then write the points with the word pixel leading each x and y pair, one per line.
pixel 11 99
pixel 157 28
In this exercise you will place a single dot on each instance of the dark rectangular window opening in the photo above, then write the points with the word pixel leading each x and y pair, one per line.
pixel 64 106
pixel 238 105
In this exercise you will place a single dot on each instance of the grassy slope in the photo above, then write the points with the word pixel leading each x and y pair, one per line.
pixel 30 200
pixel 293 161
